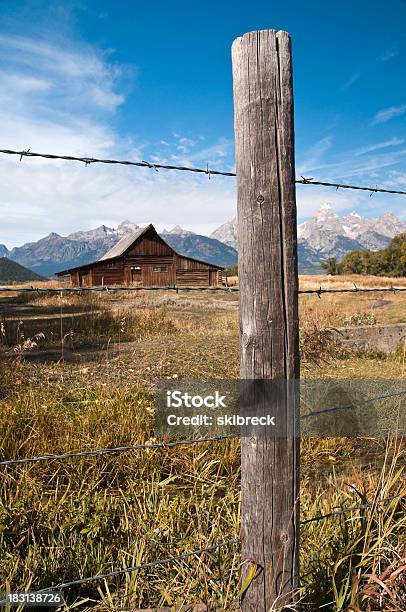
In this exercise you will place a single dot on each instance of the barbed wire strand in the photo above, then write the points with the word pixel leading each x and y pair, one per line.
pixel 202 550
pixel 113 450
pixel 93 160
pixel 353 405
pixel 340 511
pixel 159 445
pixel 310 181
pixel 141 566
pixel 208 171
pixel 112 289
pixel 354 289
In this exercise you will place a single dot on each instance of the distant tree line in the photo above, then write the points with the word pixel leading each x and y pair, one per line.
pixel 390 261
pixel 231 271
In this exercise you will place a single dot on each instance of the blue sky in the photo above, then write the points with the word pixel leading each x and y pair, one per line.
pixel 153 81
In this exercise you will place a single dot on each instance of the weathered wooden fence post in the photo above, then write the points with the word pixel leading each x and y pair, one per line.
pixel 268 279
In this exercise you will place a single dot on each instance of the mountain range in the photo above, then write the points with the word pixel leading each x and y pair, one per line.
pixel 54 252
pixel 326 234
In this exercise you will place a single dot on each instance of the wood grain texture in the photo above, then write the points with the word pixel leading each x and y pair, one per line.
pixel 267 266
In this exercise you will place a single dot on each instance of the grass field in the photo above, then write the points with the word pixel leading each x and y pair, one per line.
pixel 78 373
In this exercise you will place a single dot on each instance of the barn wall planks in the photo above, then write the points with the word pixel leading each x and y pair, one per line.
pixel 186 263
pixel 150 245
pixel 194 278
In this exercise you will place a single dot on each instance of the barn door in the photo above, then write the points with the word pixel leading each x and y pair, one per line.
pixel 136 276
pixel 158 276
pixel 212 278
pixel 85 279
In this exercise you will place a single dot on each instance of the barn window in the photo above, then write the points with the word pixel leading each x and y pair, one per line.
pixel 111 264
pixel 136 268
pixel 160 269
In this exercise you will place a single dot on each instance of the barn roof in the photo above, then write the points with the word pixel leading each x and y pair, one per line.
pixel 124 243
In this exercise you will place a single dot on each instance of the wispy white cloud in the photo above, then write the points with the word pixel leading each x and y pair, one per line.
pixel 315 156
pixel 76 76
pixel 375 164
pixel 386 114
pixel 62 99
pixel 317 160
pixel 184 145
pixel 214 153
pixel 391 52
pixel 47 56
pixel 309 200
pixel 393 142
pixel 371 165
pixel 189 151
pixel 345 168
pixel 353 79
pixel 397 180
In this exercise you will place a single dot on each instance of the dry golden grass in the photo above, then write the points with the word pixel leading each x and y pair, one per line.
pixel 352 308
pixel 55 284
pixel 326 281
pixel 232 281
pixel 306 281
pixel 66 519
pixel 348 281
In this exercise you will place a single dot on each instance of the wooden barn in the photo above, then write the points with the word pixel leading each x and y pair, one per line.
pixel 144 259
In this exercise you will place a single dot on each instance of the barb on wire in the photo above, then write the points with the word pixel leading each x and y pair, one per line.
pixel 158 445
pixel 353 405
pixel 372 190
pixel 341 511
pixel 122 162
pixel 199 551
pixel 150 165
pixel 24 153
pixel 105 288
pixel 113 450
pixel 319 292
pixel 145 164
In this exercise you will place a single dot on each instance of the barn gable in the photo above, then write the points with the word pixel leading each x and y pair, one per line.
pixel 128 244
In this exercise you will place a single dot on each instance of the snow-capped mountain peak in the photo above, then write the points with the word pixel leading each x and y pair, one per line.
pixel 327 234
pixel 389 225
pixel 227 233
pixel 325 209
pixel 178 231
pixel 126 227
pixel 94 234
